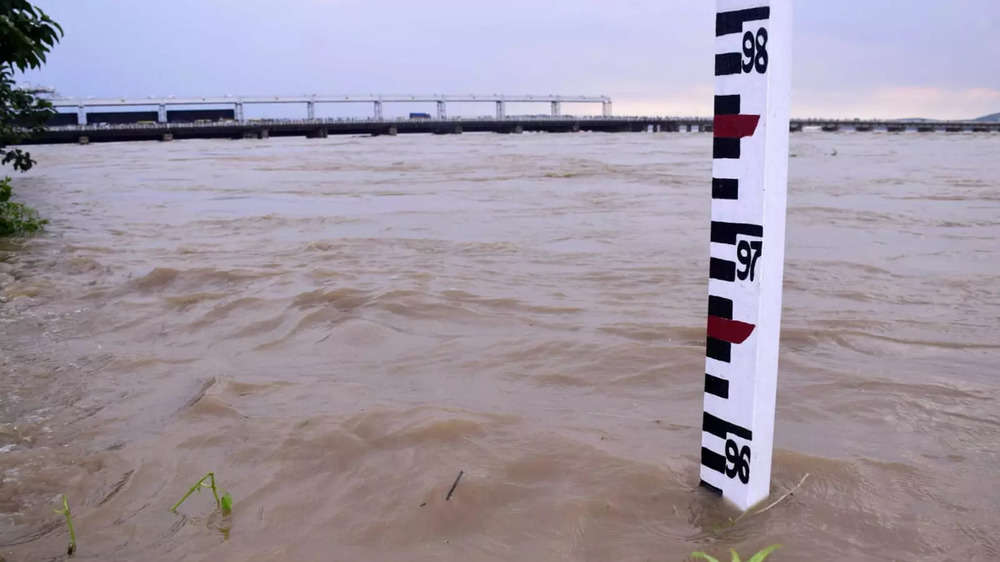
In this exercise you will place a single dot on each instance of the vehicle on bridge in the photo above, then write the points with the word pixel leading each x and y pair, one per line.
pixel 420 116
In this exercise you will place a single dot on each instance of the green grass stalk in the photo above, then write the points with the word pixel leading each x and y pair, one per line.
pixel 69 523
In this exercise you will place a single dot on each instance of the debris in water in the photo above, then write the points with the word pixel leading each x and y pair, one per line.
pixel 452 490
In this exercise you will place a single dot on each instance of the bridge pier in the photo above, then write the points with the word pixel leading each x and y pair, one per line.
pixel 84 139
pixel 167 137
pixel 378 110
pixel 161 113
pixel 441 111
pixel 515 130
pixel 238 111
pixel 556 109
pixel 388 131
pixel 310 110
pixel 606 108
pixel 501 110
pixel 448 130
pixel 81 115
pixel 320 133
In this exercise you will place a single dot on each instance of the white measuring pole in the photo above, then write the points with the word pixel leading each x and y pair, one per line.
pixel 749 183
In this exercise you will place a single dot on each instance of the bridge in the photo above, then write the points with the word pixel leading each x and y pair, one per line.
pixel 377 101
pixel 139 123
pixel 320 128
pixel 895 126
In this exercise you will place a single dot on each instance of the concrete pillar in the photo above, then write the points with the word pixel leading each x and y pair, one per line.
pixel 517 130
pixel 81 115
pixel 167 137
pixel 84 139
pixel 238 111
pixel 606 108
pixel 264 134
pixel 161 113
pixel 317 134
pixel 310 110
pixel 441 112
pixel 501 110
pixel 378 110
pixel 391 131
pixel 689 127
pixel 556 109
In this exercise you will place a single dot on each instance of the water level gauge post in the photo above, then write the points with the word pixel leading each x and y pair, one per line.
pixel 747 246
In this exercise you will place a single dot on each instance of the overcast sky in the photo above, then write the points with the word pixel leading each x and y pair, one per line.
pixel 853 58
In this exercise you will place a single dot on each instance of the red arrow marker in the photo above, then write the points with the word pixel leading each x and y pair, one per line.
pixel 732 331
pixel 735 126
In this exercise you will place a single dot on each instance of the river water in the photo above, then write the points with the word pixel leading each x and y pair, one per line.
pixel 337 327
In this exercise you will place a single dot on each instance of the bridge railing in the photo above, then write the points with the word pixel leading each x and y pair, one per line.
pixel 649 119
pixel 357 120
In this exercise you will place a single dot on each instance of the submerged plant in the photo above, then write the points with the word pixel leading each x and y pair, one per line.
pixel 224 504
pixel 759 557
pixel 16 219
pixel 69 523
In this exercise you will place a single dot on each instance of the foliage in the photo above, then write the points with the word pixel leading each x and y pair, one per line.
pixel 16 218
pixel 759 557
pixel 26 35
pixel 225 504
pixel 69 523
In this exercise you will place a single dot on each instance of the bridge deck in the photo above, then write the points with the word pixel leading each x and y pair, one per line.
pixel 101 132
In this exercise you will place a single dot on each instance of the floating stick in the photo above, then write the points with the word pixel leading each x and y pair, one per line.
pixel 747 248
pixel 454 485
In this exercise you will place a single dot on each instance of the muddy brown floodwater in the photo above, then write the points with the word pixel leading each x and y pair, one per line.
pixel 338 327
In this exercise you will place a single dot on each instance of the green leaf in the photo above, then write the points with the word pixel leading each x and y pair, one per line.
pixel 736 557
pixel 760 556
pixel 27 34
pixel 705 556
pixel 227 503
